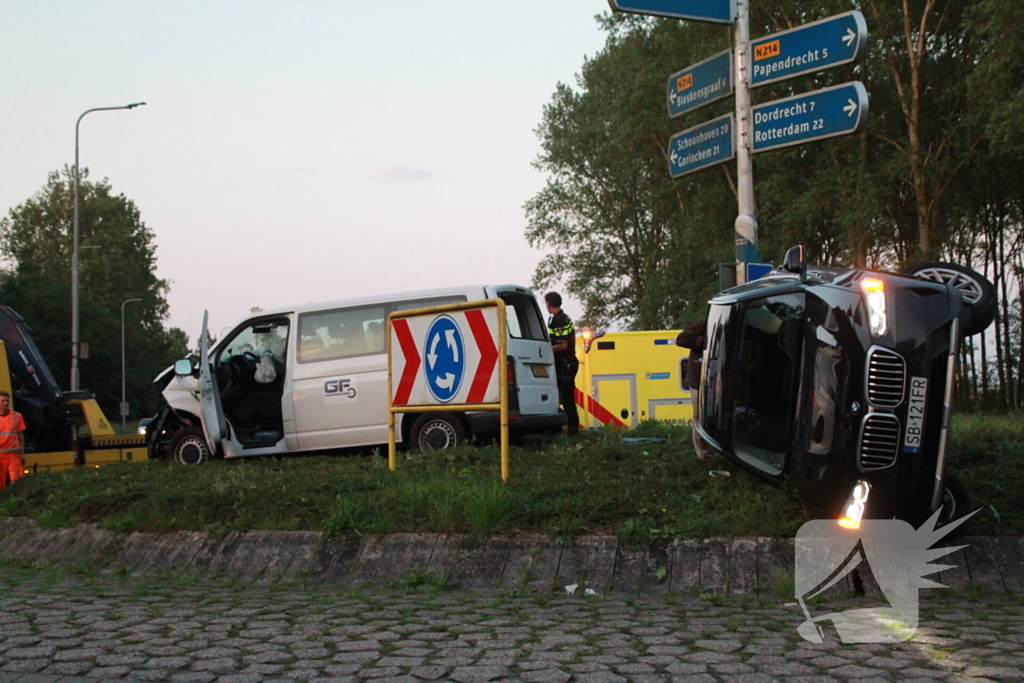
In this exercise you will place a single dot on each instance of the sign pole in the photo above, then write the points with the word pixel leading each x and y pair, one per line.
pixel 503 387
pixel 746 222
pixel 392 456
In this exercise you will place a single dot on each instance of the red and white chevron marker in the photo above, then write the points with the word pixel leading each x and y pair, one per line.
pixel 411 360
pixel 485 370
pixel 412 354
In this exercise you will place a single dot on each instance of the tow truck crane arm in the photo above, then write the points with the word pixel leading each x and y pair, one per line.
pixel 63 429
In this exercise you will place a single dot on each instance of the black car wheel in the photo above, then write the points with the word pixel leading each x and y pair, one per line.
pixel 437 431
pixel 979 294
pixel 956 503
pixel 189 447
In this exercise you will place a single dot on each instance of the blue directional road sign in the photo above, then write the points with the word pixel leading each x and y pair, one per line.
pixel 700 84
pixel 718 11
pixel 756 271
pixel 826 113
pixel 445 358
pixel 812 47
pixel 701 146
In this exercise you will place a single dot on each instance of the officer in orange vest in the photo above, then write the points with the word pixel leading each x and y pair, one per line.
pixel 12 442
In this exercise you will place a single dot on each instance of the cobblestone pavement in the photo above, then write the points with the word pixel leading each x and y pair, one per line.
pixel 63 625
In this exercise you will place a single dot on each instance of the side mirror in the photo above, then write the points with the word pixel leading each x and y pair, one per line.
pixel 185 366
pixel 796 262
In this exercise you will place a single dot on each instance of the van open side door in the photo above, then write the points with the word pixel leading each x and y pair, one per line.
pixel 215 425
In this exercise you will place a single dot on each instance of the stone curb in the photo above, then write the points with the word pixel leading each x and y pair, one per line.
pixel 527 562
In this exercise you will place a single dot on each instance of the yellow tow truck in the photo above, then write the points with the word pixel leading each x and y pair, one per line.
pixel 63 429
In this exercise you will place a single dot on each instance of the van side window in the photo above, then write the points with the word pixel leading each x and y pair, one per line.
pixel 523 317
pixel 428 303
pixel 341 333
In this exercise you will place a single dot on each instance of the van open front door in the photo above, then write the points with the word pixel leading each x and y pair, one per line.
pixel 214 424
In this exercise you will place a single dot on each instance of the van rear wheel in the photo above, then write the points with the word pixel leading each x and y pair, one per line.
pixel 437 431
pixel 189 447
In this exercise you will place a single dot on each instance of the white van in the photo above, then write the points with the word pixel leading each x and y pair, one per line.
pixel 314 377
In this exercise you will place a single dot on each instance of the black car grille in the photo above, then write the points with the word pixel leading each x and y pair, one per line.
pixel 886 378
pixel 879 440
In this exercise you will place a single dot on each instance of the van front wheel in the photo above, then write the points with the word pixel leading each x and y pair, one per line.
pixel 189 447
pixel 437 431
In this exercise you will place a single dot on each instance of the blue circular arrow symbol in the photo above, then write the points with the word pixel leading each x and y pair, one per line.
pixel 445 358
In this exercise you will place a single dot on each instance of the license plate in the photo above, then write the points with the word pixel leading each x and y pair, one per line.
pixel 539 370
pixel 914 438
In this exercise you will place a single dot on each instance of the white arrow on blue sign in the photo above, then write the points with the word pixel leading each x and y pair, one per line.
pixel 812 47
pixel 704 82
pixel 446 358
pixel 717 11
pixel 826 113
pixel 701 146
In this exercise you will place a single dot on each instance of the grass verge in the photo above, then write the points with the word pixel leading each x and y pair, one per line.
pixel 595 483
pixel 986 452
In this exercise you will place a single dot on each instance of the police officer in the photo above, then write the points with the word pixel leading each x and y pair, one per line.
pixel 563 343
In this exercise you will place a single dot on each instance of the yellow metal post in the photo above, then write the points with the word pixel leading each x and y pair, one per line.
pixel 587 418
pixel 5 374
pixel 503 386
pixel 392 456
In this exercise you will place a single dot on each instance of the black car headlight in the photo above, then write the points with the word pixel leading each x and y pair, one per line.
pixel 874 293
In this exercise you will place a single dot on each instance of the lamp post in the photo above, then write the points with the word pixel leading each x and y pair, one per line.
pixel 124 402
pixel 74 252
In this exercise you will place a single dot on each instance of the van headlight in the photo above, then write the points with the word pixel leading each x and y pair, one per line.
pixel 874 293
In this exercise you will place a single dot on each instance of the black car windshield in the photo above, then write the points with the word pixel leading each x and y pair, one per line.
pixel 766 371
pixel 716 356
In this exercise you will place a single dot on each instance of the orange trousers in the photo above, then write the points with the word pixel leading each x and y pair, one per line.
pixel 11 468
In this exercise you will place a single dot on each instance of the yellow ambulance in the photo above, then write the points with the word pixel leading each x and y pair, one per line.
pixel 627 377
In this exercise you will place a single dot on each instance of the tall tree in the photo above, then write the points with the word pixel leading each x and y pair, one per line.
pixel 117 263
pixel 995 84
pixel 620 228
pixel 925 52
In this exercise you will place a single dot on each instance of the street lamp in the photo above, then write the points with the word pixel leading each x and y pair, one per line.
pixel 124 402
pixel 74 253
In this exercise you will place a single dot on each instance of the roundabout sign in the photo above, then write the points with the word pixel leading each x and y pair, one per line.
pixel 448 359
pixel 445 363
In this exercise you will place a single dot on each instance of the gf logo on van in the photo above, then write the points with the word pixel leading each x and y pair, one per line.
pixel 339 388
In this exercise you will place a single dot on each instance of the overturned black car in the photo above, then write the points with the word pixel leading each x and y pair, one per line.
pixel 838 384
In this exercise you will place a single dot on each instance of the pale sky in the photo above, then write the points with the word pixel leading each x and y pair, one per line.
pixel 297 151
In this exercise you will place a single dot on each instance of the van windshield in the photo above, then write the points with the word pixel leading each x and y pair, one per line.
pixel 523 317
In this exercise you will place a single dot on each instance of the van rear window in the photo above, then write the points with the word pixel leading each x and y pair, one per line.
pixel 523 317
